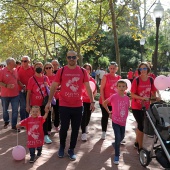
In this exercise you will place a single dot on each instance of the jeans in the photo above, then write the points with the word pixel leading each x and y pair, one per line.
pixel 67 114
pixel 105 117
pixel 22 102
pixel 14 104
pixel 119 132
pixel 86 117
pixel 32 151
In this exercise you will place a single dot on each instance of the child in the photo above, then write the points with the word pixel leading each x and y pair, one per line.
pixel 35 134
pixel 120 105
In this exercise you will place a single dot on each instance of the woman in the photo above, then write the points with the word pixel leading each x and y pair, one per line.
pixel 141 91
pixel 49 72
pixel 36 92
pixel 86 104
pixel 107 88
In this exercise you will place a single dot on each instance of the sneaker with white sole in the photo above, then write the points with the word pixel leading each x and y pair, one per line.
pixel 84 137
pixel 71 154
pixel 47 139
pixel 116 160
pixel 103 135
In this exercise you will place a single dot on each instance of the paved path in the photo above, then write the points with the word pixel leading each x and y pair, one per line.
pixel 95 154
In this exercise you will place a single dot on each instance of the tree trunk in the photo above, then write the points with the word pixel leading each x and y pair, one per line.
pixel 112 10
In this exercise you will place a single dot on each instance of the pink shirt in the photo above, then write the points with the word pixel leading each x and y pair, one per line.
pixel 120 106
pixel 130 75
pixel 136 73
pixel 85 96
pixel 35 133
pixel 9 77
pixel 72 81
pixel 143 89
pixel 36 97
pixel 24 75
pixel 110 86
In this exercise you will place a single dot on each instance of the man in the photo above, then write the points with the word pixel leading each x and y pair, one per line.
pixel 9 92
pixel 97 75
pixel 25 71
pixel 102 73
pixel 56 65
pixel 71 78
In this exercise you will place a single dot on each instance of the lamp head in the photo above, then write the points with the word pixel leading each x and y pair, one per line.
pixel 142 41
pixel 158 10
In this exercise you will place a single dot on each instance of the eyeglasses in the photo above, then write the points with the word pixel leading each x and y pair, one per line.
pixel 140 69
pixel 71 57
pixel 48 68
pixel 24 61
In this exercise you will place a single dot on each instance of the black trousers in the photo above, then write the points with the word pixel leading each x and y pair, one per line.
pixel 67 115
pixel 105 116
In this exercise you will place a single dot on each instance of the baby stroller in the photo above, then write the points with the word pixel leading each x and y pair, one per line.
pixel 156 141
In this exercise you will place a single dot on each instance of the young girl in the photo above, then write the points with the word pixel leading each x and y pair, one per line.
pixel 120 105
pixel 35 133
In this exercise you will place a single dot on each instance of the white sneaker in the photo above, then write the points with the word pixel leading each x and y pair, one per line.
pixel 84 137
pixel 103 135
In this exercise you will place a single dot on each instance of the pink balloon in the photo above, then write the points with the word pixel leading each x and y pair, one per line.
pixel 128 84
pixel 92 85
pixel 161 82
pixel 18 153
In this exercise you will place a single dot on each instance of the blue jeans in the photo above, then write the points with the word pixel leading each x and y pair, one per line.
pixel 67 114
pixel 32 151
pixel 22 102
pixel 14 104
pixel 119 132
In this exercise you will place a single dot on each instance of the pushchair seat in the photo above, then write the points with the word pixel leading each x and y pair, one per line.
pixel 161 113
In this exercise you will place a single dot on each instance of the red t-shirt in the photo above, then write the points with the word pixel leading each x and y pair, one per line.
pixel 130 75
pixel 136 73
pixel 152 75
pixel 25 74
pixel 35 133
pixel 36 97
pixel 85 96
pixel 9 77
pixel 72 81
pixel 110 86
pixel 143 89
pixel 51 79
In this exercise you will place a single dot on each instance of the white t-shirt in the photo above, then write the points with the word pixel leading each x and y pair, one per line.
pixel 102 73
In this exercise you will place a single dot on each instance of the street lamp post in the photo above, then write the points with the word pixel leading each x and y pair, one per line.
pixel 142 42
pixel 158 13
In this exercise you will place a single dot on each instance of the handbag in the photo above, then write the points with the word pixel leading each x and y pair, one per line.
pixel 45 99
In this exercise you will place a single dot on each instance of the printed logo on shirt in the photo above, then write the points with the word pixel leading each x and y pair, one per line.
pixel 72 84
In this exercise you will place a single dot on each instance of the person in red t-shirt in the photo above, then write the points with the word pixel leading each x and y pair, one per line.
pixel 49 72
pixel 130 75
pixel 71 78
pixel 139 93
pixel 25 71
pixel 86 103
pixel 9 92
pixel 136 73
pixel 107 88
pixel 36 92
pixel 35 134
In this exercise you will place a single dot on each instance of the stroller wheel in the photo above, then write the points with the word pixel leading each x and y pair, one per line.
pixel 144 157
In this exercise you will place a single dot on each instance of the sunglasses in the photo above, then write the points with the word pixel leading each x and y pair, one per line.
pixel 48 68
pixel 24 61
pixel 71 57
pixel 140 69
